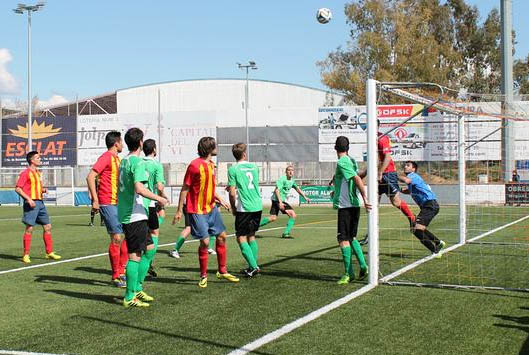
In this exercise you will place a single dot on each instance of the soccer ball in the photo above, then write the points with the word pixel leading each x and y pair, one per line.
pixel 323 15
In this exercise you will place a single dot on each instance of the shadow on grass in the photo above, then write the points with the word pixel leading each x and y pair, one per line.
pixel 10 257
pixel 69 280
pixel 112 299
pixel 167 334
pixel 81 225
pixel 522 323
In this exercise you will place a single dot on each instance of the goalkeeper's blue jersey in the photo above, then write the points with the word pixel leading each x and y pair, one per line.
pixel 420 191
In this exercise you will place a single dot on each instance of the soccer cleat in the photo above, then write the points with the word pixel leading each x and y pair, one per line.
pixel 123 278
pixel 152 272
pixel 212 252
pixel 287 236
pixel 134 303
pixel 363 274
pixel 26 259
pixel 174 254
pixel 203 283
pixel 119 283
pixel 252 272
pixel 53 256
pixel 344 280
pixel 364 241
pixel 142 296
pixel 90 224
pixel 440 247
pixel 227 276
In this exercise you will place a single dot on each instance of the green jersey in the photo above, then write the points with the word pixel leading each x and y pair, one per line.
pixel 345 192
pixel 245 177
pixel 155 175
pixel 131 206
pixel 284 186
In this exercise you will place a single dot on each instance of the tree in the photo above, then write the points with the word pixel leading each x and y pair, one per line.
pixel 416 40
pixel 521 75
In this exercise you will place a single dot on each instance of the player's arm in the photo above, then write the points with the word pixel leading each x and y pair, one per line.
pixel 233 199
pixel 220 200
pixel 302 193
pixel 91 182
pixel 361 187
pixel 405 179
pixel 22 194
pixel 141 190
pixel 179 210
pixel 278 196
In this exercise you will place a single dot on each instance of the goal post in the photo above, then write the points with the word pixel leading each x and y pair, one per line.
pixel 60 182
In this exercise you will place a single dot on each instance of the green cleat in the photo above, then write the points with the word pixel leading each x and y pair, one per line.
pixel 287 236
pixel 363 273
pixel 344 280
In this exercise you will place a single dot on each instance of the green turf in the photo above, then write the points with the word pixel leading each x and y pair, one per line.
pixel 71 307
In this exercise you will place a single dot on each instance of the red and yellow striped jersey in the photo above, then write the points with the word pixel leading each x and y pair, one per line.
pixel 31 183
pixel 200 177
pixel 107 167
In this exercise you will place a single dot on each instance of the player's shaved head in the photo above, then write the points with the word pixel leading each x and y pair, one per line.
pixel 342 144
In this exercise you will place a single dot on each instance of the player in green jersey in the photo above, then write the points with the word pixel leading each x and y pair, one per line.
pixel 347 184
pixel 155 184
pixel 279 196
pixel 133 215
pixel 246 205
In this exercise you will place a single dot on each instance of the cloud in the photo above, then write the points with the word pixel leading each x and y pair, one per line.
pixel 8 84
pixel 54 100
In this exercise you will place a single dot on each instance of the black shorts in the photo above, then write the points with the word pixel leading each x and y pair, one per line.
pixel 348 223
pixel 186 217
pixel 429 210
pixel 274 210
pixel 247 223
pixel 137 236
pixel 153 222
pixel 389 184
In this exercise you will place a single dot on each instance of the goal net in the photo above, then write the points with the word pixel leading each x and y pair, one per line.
pixel 59 181
pixel 456 140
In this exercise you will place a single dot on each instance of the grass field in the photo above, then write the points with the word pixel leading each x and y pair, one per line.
pixel 71 308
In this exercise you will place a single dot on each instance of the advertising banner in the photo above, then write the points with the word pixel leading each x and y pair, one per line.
pixel 516 194
pixel 317 194
pixel 53 137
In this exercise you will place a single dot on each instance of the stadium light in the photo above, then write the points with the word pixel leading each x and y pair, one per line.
pixel 251 65
pixel 21 8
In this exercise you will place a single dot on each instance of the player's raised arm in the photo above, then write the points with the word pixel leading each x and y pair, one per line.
pixel 299 191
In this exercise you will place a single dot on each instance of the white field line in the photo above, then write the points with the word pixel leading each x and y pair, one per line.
pixel 453 247
pixel 13 352
pixel 300 322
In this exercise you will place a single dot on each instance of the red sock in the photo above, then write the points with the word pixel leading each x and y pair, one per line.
pixel 27 243
pixel 221 257
pixel 113 254
pixel 406 210
pixel 123 257
pixel 48 244
pixel 203 260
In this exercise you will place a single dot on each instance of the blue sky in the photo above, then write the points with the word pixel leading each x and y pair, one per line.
pixel 88 48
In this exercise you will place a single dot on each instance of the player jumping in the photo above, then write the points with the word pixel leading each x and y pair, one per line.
pixel 279 196
pixel 246 205
pixel 29 187
pixel 105 200
pixel 425 198
pixel 198 191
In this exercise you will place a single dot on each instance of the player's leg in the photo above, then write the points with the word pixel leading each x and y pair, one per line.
pixel 252 242
pixel 392 191
pixel 354 216
pixel 274 211
pixel 216 227
pixel 175 253
pixel 154 227
pixel 344 241
pixel 117 251
pixel 291 220
pixel 44 220
pixel 135 237
pixel 26 241
pixel 145 262
pixel 92 216
pixel 427 238
pixel 242 220
pixel 199 230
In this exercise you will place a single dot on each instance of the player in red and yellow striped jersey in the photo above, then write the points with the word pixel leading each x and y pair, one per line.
pixel 105 199
pixel 198 192
pixel 29 187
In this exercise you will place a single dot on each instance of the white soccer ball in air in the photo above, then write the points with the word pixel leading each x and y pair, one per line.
pixel 324 15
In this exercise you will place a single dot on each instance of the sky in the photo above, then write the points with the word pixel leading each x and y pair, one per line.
pixel 89 48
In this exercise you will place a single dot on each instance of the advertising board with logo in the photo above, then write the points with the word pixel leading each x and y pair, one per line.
pixel 53 137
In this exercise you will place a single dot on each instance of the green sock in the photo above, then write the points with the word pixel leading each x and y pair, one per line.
pixel 264 221
pixel 290 224
pixel 357 248
pixel 255 249
pixel 155 242
pixel 132 279
pixel 346 255
pixel 160 220
pixel 248 255
pixel 179 242
pixel 144 264
pixel 212 242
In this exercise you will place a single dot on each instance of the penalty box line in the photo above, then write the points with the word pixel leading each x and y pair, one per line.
pixel 104 254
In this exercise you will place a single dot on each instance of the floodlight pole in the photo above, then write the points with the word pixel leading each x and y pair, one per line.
pixel 507 89
pixel 250 65
pixel 21 8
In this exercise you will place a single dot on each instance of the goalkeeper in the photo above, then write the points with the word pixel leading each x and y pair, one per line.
pixel 425 198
